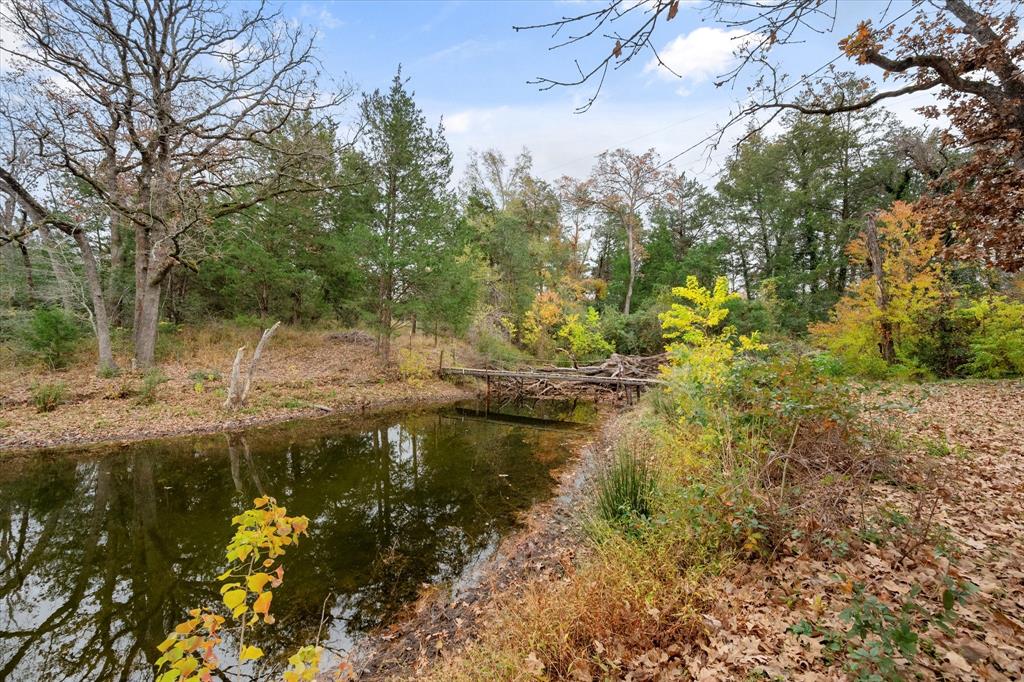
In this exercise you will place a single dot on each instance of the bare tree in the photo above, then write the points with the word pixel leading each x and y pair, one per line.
pixel 490 174
pixel 968 50
pixel 574 213
pixel 159 108
pixel 40 216
pixel 621 186
pixel 238 390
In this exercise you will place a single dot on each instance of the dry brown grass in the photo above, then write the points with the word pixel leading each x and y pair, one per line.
pixel 629 597
pixel 301 369
pixel 626 599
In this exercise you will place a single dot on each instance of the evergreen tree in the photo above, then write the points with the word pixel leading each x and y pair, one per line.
pixel 411 216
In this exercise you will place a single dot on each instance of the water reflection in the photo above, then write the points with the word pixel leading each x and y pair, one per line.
pixel 100 557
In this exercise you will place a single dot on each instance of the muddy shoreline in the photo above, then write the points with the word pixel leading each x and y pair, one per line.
pixel 435 396
pixel 447 617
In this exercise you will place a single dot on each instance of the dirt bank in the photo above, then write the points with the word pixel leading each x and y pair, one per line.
pixel 303 374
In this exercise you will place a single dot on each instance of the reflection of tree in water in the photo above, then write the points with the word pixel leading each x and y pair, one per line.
pixel 99 559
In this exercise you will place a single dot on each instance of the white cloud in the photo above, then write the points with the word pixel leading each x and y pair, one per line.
pixel 328 20
pixel 703 53
pixel 563 143
pixel 466 50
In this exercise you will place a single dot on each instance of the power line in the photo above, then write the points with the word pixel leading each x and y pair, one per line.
pixel 802 79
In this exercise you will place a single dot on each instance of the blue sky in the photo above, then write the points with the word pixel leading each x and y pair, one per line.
pixel 467 64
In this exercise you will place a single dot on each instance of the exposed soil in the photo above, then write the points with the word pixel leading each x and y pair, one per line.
pixel 303 374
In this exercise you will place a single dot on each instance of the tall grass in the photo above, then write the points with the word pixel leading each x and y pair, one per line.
pixel 48 396
pixel 625 489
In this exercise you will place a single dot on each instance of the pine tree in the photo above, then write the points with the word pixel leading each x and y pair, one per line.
pixel 411 217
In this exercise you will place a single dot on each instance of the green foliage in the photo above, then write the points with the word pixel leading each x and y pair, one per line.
pixel 411 235
pixel 582 338
pixel 201 377
pixel 638 333
pixel 496 349
pixel 151 381
pixel 48 396
pixel 997 342
pixel 937 324
pixel 50 335
pixel 879 634
pixel 786 393
pixel 292 257
pixel 829 365
pixel 701 349
pixel 626 489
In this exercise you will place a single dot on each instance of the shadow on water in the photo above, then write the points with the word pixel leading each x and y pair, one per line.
pixel 101 556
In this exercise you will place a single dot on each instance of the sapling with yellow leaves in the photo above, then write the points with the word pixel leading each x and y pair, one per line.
pixel 580 337
pixel 700 349
pixel 262 535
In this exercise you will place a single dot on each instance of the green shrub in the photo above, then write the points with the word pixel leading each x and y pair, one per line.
pixel 625 490
pixel 997 344
pixel 581 339
pixel 636 334
pixel 497 350
pixel 50 335
pixel 47 397
pixel 246 320
pixel 201 377
pixel 828 364
pixel 151 380
pixel 792 407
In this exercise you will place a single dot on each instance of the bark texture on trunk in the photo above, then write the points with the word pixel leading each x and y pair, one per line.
pixel 29 280
pixel 238 391
pixel 886 346
pixel 99 312
pixel 631 252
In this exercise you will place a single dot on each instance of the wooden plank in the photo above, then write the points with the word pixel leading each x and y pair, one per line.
pixel 550 376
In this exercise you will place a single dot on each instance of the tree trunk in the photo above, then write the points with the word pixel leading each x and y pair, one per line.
pixel 99 313
pixel 631 252
pixel 29 280
pixel 149 277
pixel 384 334
pixel 886 345
pixel 114 279
pixel 147 320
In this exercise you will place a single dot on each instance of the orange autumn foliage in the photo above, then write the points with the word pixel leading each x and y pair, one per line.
pixel 912 277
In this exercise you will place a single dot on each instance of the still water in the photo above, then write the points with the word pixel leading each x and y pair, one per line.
pixel 101 555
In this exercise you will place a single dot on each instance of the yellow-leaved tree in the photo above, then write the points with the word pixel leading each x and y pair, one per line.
pixel 884 312
pixel 189 653
pixel 700 347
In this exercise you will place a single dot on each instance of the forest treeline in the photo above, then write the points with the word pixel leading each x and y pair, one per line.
pixel 154 218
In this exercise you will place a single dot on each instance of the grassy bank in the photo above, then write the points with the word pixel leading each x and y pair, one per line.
pixel 784 526
pixel 303 372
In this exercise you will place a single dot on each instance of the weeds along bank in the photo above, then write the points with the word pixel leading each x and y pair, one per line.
pixel 50 393
pixel 753 462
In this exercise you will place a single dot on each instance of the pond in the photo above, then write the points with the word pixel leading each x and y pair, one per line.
pixel 102 554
